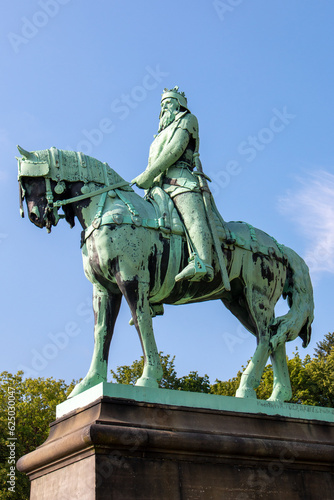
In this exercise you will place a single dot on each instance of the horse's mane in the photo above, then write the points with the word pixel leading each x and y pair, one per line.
pixel 75 166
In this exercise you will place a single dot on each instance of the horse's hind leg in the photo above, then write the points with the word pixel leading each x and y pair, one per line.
pixel 137 296
pixel 282 386
pixel 262 313
pixel 251 377
pixel 106 307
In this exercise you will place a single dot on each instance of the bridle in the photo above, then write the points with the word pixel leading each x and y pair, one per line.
pixel 53 206
pixel 33 169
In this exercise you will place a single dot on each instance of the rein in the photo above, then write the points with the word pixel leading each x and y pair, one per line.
pixel 60 203
pixel 52 206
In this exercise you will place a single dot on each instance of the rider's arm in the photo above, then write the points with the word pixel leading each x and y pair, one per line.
pixel 172 152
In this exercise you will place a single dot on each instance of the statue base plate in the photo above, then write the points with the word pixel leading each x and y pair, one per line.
pixel 121 449
pixel 194 400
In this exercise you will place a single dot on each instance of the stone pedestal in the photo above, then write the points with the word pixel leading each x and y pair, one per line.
pixel 121 449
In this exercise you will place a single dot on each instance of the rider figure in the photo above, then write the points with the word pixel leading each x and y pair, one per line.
pixel 170 165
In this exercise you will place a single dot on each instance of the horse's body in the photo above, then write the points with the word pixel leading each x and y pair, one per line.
pixel 129 251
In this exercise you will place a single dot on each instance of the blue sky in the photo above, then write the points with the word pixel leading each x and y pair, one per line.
pixel 88 76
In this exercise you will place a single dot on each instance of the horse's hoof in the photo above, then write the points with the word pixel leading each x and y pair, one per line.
pixel 147 382
pixel 85 384
pixel 280 397
pixel 77 390
pixel 246 394
pixel 276 400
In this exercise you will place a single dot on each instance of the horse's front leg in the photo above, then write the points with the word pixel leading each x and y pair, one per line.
pixel 106 307
pixel 136 293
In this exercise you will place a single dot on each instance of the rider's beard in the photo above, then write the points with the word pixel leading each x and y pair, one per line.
pixel 166 119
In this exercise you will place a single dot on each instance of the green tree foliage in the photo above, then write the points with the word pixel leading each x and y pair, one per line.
pixel 325 347
pixel 192 382
pixel 312 379
pixel 130 374
pixel 35 407
pixel 226 388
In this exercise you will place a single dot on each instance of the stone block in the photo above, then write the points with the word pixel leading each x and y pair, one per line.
pixel 122 449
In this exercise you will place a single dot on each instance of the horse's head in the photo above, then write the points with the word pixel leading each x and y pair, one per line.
pixel 37 188
pixel 48 176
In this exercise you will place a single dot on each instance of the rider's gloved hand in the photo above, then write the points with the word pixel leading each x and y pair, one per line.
pixel 143 180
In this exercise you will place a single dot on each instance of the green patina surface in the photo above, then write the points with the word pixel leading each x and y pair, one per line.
pixel 194 400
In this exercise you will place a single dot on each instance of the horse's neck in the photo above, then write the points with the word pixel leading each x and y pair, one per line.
pixel 72 166
pixel 81 171
pixel 86 211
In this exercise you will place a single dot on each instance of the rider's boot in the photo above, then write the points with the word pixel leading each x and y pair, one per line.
pixel 191 207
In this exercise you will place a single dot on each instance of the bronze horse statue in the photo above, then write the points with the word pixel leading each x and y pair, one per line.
pixel 134 247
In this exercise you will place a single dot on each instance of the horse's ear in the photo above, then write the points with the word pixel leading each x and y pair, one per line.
pixel 26 154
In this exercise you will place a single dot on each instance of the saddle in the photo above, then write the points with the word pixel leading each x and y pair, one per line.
pixel 165 208
pixel 231 234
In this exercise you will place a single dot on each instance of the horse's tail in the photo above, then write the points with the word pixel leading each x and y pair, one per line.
pixel 299 293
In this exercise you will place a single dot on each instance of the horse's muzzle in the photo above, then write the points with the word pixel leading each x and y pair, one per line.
pixel 35 216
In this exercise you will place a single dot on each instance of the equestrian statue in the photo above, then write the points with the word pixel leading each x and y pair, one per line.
pixel 170 247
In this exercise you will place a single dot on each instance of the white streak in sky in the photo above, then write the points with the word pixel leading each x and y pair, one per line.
pixel 312 208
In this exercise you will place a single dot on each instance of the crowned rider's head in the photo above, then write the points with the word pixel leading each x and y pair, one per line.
pixel 172 102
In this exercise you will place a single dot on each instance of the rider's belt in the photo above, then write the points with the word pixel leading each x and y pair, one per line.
pixel 172 182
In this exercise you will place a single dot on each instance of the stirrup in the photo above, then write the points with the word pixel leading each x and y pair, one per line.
pixel 196 270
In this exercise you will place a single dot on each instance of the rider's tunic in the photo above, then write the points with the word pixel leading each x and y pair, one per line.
pixel 178 178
